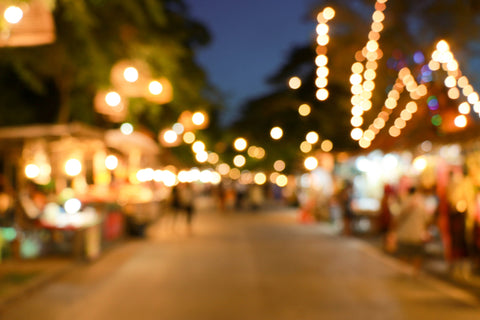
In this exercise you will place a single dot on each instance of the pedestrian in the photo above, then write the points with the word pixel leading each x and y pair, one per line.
pixel 187 197
pixel 411 228
pixel 385 218
pixel 346 198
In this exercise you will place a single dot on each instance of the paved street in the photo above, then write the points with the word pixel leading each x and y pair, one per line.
pixel 244 266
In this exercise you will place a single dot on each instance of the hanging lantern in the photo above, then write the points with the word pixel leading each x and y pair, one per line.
pixel 28 24
pixel 111 104
pixel 159 91
pixel 130 77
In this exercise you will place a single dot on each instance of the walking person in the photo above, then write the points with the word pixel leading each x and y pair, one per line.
pixel 411 229
pixel 187 198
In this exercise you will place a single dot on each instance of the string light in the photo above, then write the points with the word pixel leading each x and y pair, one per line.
pixel 321 59
pixel 362 82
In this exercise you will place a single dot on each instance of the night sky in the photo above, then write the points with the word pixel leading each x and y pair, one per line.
pixel 250 41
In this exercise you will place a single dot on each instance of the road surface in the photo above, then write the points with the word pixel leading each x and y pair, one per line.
pixel 244 266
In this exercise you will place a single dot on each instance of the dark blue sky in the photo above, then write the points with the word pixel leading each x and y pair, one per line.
pixel 250 41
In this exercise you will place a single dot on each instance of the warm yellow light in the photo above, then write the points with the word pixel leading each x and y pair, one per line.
pixel 461 121
pixel 434 65
pixel 304 110
pixel 223 168
pixel 378 16
pixel 201 156
pixel 113 99
pixel 364 143
pixel 198 118
pixel 356 79
pixel 473 98
pixel 155 88
pixel 239 160
pixel 281 180
pixel 260 178
pixel 273 177
pixel 213 158
pixel 234 174
pixel 198 146
pixel 322 29
pixel 305 147
pixel 321 82
pixel 189 137
pixel 111 162
pixel 126 128
pixel 32 171
pixel 279 165
pixel 312 137
pixel 356 133
pixel 405 115
pixel 453 93
pixel 356 121
pixel 170 136
pixel 323 40
pixel 130 74
pixel 240 144
pixel 326 145
pixel 294 82
pixel 13 14
pixel 328 13
pixel 443 46
pixel 464 108
pixel 411 107
pixel 467 90
pixel 357 67
pixel 322 94
pixel 394 131
pixel 276 133
pixel 420 163
pixel 462 82
pixel 310 163
pixel 260 153
pixel 73 167
pixel 169 178
pixel 372 45
pixel 321 60
pixel 322 72
pixel 450 82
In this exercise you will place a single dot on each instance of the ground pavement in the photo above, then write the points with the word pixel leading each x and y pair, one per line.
pixel 243 265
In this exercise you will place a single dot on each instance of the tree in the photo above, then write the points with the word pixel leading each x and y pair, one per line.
pixel 57 82
pixel 409 27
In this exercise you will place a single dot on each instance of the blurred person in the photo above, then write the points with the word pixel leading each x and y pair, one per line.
pixel 345 199
pixel 256 197
pixel 186 198
pixel 221 196
pixel 460 198
pixel 411 228
pixel 386 217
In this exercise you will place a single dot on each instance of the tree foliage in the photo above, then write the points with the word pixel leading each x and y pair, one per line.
pixel 410 26
pixel 57 82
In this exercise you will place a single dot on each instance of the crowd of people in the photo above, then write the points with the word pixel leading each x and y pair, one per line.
pixel 412 215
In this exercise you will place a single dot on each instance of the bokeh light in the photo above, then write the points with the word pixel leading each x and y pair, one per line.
pixel 279 165
pixel 304 110
pixel 32 171
pixel 126 128
pixel 276 133
pixel 73 167
pixel 239 160
pixel 113 99
pixel 311 163
pixel 240 144
pixel 111 162
pixel 130 74
pixel 155 88
pixel 294 82
pixel 13 14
